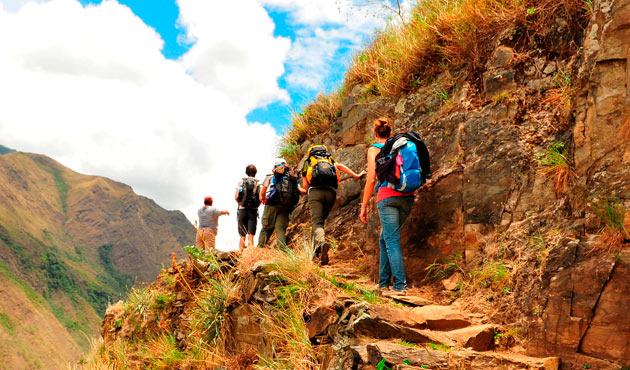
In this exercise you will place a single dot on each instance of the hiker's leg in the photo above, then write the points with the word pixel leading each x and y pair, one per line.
pixel 212 237
pixel 384 270
pixel 199 239
pixel 250 240
pixel 282 222
pixel 266 226
pixel 241 217
pixel 316 199
pixel 389 214
pixel 252 220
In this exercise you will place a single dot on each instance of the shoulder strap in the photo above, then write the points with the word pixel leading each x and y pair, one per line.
pixel 377 145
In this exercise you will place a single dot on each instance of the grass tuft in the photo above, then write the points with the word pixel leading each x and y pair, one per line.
pixel 614 234
pixel 446 34
pixel 315 118
pixel 557 167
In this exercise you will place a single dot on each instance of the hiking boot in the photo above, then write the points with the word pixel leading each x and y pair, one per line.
pixel 393 293
pixel 382 291
pixel 318 251
pixel 324 259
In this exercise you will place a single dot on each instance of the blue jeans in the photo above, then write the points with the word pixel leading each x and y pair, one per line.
pixel 393 212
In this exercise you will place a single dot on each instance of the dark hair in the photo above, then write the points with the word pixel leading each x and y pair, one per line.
pixel 383 127
pixel 251 170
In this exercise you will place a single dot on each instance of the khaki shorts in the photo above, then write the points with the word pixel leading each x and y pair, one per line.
pixel 206 239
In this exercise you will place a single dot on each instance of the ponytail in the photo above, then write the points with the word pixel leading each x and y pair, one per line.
pixel 383 127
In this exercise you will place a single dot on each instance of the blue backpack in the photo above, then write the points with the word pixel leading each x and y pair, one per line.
pixel 399 165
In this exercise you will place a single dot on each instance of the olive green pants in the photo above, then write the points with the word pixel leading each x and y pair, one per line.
pixel 274 218
pixel 321 202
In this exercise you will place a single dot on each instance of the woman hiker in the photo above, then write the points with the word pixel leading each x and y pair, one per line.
pixel 393 209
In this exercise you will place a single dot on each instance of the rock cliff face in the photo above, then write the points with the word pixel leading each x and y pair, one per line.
pixel 490 200
pixel 69 244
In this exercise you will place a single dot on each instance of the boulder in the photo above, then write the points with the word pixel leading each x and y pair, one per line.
pixel 397 354
pixel 453 282
pixel 478 337
pixel 443 317
pixel 413 300
pixel 319 320
pixel 496 360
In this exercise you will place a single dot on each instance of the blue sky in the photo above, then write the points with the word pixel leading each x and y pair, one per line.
pixel 162 16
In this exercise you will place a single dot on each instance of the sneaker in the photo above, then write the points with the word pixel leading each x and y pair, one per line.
pixel 383 291
pixel 394 293
pixel 324 258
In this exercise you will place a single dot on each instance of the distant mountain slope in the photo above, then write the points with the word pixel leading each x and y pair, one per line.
pixel 5 150
pixel 71 244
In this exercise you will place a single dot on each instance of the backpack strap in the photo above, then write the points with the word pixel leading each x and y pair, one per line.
pixel 377 145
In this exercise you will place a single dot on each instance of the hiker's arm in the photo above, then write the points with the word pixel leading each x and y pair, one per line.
pixel 302 188
pixel 236 195
pixel 370 183
pixel 343 168
pixel 263 191
pixel 224 213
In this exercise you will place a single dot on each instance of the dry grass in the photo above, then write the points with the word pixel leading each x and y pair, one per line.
pixel 316 118
pixel 446 34
pixel 613 236
pixel 611 241
pixel 557 167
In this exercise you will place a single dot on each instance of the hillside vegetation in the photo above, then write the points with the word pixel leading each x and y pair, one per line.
pixel 441 36
pixel 66 253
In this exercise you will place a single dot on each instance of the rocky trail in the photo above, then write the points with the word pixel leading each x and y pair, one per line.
pixel 347 324
pixel 409 332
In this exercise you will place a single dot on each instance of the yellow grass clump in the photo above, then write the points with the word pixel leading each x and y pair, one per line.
pixel 315 118
pixel 444 34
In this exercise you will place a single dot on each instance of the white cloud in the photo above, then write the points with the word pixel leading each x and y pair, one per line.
pixel 326 28
pixel 235 49
pixel 90 88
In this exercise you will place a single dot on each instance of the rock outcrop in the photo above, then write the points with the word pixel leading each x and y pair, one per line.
pixel 490 200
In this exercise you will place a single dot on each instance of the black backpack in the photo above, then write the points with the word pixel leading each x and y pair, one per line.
pixel 319 168
pixel 249 194
pixel 286 193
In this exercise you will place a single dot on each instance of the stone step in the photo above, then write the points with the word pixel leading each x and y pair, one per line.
pixel 398 356
pixel 443 317
pixel 473 360
pixel 412 300
pixel 477 337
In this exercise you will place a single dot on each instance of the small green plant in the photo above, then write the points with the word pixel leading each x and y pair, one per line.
pixel 493 274
pixel 139 301
pixel 613 235
pixel 407 344
pixel 443 95
pixel 531 11
pixel 118 323
pixel 587 366
pixel 161 300
pixel 211 315
pixel 290 150
pixel 557 167
pixel 6 322
pixel 444 269
pixel 382 365
pixel 438 347
pixel 501 98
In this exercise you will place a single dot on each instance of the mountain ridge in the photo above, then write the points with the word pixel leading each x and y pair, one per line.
pixel 72 243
